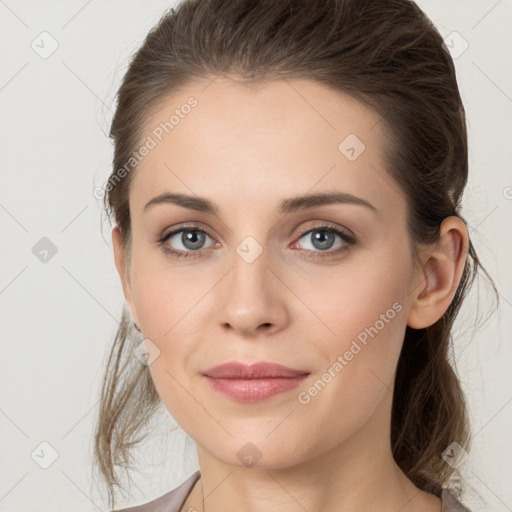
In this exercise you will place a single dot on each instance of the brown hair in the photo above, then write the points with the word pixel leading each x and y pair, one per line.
pixel 385 53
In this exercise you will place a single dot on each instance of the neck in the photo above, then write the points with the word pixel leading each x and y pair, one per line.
pixel 358 474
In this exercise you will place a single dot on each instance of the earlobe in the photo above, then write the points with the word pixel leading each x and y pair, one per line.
pixel 123 270
pixel 442 272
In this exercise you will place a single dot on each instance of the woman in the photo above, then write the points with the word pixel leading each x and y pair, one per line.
pixel 286 187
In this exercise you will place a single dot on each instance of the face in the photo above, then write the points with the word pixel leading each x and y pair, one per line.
pixel 321 287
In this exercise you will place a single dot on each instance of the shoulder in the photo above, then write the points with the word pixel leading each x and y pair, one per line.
pixel 169 502
pixel 451 503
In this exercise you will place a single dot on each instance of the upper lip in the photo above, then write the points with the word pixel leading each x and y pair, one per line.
pixel 261 369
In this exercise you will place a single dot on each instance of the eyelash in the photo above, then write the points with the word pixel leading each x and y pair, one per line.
pixel 346 237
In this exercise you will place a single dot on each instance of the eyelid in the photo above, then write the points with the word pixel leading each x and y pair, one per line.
pixel 192 226
pixel 188 227
pixel 326 225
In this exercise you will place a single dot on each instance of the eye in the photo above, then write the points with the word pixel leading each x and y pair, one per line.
pixel 187 240
pixel 323 238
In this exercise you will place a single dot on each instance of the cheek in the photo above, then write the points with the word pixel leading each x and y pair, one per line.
pixel 167 295
pixel 367 312
pixel 171 386
pixel 169 310
pixel 363 312
pixel 354 299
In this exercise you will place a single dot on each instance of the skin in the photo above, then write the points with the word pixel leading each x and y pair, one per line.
pixel 246 148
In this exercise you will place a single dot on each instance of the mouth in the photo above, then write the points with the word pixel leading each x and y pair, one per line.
pixel 252 383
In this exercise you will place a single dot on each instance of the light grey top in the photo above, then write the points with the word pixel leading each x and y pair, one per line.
pixel 174 500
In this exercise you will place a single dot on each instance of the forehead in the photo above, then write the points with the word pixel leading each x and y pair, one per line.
pixel 250 143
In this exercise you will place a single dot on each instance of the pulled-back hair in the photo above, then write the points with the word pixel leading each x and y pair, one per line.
pixel 385 53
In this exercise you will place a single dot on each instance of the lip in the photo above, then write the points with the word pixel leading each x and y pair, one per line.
pixel 254 382
pixel 261 369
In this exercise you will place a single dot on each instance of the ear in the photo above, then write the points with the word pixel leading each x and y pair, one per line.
pixel 122 265
pixel 440 275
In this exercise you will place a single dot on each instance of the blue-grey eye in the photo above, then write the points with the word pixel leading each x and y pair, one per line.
pixel 191 239
pixel 322 239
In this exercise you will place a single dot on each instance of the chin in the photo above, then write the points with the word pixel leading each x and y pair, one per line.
pixel 259 451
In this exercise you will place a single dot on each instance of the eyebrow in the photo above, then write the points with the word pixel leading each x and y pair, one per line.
pixel 293 204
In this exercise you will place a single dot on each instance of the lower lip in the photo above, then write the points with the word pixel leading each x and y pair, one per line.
pixel 254 390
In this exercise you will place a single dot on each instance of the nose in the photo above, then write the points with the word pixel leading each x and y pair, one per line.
pixel 251 298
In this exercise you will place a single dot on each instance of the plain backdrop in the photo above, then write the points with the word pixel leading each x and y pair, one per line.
pixel 59 312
